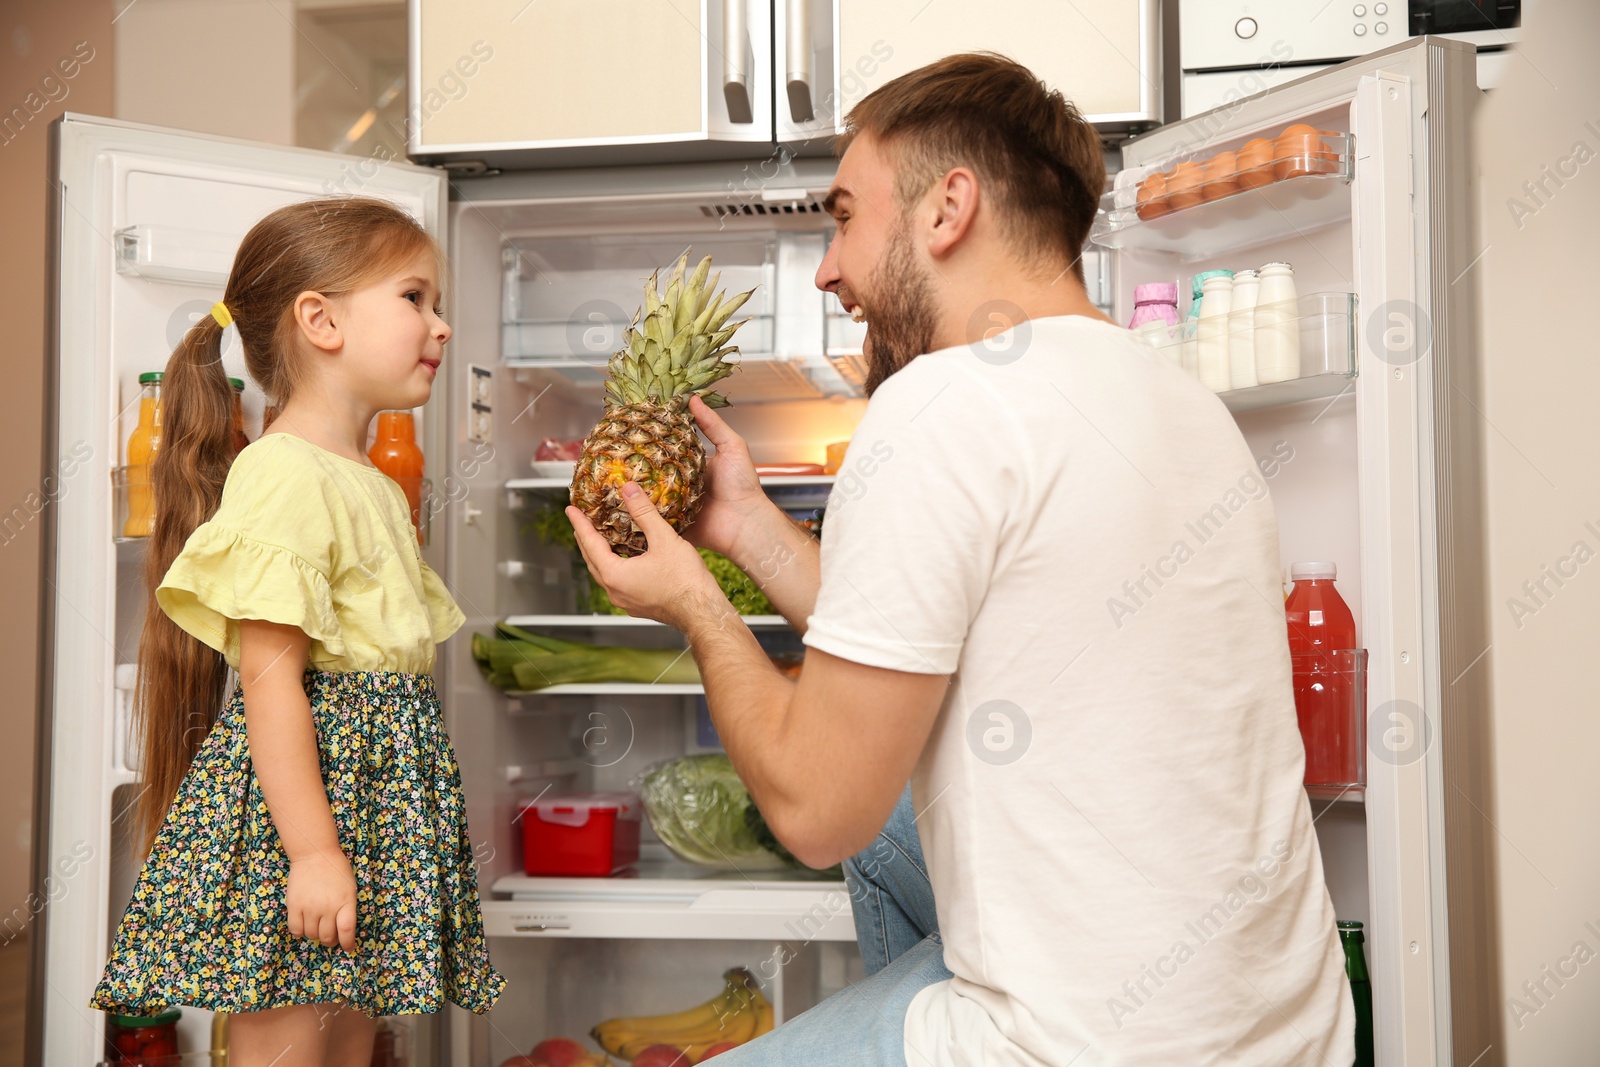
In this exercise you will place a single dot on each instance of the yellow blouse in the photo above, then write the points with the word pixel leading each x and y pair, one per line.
pixel 313 539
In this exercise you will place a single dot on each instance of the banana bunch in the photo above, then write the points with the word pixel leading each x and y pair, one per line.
pixel 735 1015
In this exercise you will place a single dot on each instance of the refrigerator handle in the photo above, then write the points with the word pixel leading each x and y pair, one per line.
pixel 799 66
pixel 736 61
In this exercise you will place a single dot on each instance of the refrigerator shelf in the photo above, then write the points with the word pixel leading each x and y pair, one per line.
pixel 1320 794
pixel 760 378
pixel 608 621
pixel 667 898
pixel 776 481
pixel 1282 208
pixel 618 689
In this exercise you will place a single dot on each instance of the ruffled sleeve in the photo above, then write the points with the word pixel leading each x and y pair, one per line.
pixel 444 615
pixel 268 552
pixel 222 576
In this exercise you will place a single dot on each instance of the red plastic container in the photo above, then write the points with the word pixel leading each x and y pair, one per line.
pixel 580 833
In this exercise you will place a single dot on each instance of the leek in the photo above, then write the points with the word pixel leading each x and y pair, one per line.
pixel 519 659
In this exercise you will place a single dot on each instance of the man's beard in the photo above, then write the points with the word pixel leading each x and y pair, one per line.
pixel 900 314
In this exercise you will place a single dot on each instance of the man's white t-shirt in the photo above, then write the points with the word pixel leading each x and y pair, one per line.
pixel 1122 855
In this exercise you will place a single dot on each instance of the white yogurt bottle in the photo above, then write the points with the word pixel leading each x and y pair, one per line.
pixel 1277 333
pixel 1242 330
pixel 1211 349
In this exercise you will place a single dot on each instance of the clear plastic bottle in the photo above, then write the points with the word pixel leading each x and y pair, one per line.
pixel 1211 355
pixel 1277 334
pixel 1242 330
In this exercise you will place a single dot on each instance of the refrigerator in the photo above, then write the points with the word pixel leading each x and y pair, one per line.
pixel 1374 464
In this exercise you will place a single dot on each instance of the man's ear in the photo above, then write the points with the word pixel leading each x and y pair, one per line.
pixel 314 313
pixel 954 202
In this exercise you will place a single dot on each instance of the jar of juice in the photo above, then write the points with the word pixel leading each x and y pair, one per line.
pixel 239 438
pixel 1329 677
pixel 395 452
pixel 143 444
pixel 143 1040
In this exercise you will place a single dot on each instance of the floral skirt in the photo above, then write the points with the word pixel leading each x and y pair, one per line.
pixel 207 927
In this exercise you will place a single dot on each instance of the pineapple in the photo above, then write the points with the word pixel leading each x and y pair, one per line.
pixel 648 434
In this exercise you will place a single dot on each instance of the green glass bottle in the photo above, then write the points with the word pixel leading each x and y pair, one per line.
pixel 1355 969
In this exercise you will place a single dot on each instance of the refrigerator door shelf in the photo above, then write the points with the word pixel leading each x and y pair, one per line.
pixel 667 898
pixel 1327 354
pixel 1281 209
pixel 173 254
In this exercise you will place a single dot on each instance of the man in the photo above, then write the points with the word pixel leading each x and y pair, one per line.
pixel 1048 595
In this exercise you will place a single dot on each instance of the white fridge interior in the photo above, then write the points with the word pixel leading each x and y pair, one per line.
pixel 544 271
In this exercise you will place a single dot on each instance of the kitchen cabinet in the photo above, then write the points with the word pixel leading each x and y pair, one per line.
pixel 1105 58
pixel 519 85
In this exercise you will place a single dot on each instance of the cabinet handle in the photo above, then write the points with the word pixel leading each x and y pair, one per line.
pixel 736 61
pixel 799 66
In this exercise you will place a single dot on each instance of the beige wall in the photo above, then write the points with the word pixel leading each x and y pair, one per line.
pixel 1542 379
pixel 212 66
pixel 34 37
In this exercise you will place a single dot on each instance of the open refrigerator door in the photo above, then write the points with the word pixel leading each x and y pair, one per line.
pixel 145 222
pixel 1357 178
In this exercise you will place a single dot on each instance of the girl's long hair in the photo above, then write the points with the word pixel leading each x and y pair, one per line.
pixel 331 246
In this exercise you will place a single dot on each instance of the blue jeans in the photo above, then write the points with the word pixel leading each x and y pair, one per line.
pixel 898 933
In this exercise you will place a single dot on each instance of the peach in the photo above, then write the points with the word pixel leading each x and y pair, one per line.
pixel 559 1052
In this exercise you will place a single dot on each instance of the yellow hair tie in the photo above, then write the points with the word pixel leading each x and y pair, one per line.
pixel 219 311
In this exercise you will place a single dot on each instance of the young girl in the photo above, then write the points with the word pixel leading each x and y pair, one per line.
pixel 308 862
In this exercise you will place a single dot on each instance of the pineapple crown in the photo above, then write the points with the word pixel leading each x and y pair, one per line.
pixel 680 346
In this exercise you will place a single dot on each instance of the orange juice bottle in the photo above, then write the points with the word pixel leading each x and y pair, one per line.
pixel 395 452
pixel 239 438
pixel 143 444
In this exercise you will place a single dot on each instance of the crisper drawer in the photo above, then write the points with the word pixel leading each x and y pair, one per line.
pixel 567 301
pixel 573 297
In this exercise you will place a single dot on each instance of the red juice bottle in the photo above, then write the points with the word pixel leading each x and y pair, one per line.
pixel 1320 624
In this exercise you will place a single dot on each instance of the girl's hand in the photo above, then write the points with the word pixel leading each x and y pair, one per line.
pixel 321 898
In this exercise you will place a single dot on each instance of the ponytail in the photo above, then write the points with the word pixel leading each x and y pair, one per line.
pixel 181 678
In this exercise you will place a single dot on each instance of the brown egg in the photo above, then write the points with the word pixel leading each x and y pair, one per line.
pixel 1221 174
pixel 1152 197
pixel 1300 149
pixel 1255 164
pixel 1183 185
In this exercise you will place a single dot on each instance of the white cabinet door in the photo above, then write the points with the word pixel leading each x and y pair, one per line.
pixel 546 83
pixel 1104 57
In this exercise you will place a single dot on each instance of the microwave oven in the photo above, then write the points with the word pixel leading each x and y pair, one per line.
pixel 1244 46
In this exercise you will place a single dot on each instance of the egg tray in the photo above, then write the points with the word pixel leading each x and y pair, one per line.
pixel 1162 190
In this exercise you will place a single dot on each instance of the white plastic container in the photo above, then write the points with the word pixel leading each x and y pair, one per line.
pixel 1211 350
pixel 1277 333
pixel 1242 330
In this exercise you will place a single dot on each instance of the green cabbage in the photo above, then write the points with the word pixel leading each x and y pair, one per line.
pixel 702 812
